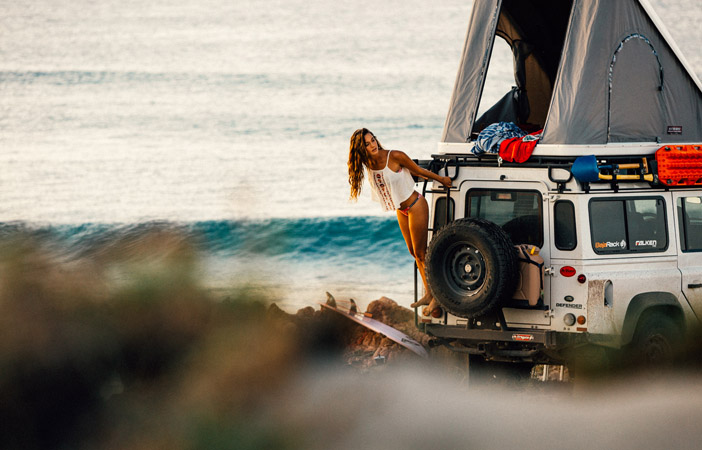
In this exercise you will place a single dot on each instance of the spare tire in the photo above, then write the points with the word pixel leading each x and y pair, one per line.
pixel 471 266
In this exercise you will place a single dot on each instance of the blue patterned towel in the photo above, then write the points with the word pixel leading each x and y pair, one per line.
pixel 489 139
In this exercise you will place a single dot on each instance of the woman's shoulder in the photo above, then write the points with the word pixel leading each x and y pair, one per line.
pixel 398 155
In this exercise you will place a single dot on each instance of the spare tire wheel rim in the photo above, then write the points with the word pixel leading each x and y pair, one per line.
pixel 466 268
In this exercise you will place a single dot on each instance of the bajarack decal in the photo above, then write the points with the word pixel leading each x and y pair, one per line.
pixel 609 244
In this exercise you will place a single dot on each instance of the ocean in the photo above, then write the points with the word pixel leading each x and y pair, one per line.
pixel 230 122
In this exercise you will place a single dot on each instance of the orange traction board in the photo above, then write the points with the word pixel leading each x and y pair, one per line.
pixel 680 165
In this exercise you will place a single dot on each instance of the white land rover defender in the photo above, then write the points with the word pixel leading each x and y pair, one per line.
pixel 608 203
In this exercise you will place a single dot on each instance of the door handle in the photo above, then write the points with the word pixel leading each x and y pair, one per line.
pixel 694 285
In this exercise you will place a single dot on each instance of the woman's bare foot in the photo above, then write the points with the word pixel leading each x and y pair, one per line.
pixel 422 301
pixel 432 306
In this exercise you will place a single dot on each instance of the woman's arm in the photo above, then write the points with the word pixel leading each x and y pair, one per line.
pixel 405 161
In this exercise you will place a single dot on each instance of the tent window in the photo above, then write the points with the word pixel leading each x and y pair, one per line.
pixel 535 32
pixel 500 76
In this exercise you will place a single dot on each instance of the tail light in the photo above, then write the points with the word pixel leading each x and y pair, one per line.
pixel 567 271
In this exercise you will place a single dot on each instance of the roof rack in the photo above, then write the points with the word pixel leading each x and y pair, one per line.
pixel 611 181
pixel 544 162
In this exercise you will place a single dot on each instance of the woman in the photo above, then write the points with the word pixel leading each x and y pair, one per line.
pixel 390 178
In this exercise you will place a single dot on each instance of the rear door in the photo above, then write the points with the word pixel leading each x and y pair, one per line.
pixel 688 216
pixel 518 207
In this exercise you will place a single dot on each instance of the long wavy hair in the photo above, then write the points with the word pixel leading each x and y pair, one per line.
pixel 358 159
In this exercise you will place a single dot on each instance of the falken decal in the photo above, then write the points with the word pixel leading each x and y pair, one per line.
pixel 649 243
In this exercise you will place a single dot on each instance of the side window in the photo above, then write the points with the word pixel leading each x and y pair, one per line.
pixel 564 225
pixel 608 226
pixel 628 225
pixel 690 216
pixel 519 213
pixel 440 213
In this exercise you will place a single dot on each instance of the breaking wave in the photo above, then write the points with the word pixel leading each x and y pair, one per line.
pixel 364 257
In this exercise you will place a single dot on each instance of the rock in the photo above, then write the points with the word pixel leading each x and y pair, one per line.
pixel 389 312
pixel 306 312
pixel 364 345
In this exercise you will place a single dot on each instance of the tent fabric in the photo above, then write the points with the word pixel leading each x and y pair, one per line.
pixel 581 102
pixel 472 70
pixel 603 68
pixel 636 109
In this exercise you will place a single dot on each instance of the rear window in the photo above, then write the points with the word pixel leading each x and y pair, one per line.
pixel 634 225
pixel 440 213
pixel 519 213
pixel 564 225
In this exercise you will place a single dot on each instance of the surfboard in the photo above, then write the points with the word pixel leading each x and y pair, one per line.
pixel 379 327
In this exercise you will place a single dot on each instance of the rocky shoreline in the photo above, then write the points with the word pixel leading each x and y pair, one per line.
pixel 358 347
pixel 365 351
pixel 346 344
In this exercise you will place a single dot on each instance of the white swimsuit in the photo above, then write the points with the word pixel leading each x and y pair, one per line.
pixel 390 188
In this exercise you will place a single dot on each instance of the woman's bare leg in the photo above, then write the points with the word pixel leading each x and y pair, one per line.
pixel 404 223
pixel 418 225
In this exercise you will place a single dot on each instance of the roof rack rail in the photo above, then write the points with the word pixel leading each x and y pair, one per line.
pixel 494 160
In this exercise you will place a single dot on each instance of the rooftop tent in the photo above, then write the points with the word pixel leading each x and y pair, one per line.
pixel 587 71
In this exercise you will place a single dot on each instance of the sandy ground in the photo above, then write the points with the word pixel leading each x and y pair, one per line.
pixel 409 403
pixel 411 408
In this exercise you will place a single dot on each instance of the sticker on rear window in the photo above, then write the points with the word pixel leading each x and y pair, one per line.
pixel 609 244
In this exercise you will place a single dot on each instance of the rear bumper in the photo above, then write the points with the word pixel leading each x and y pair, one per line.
pixel 512 344
pixel 546 338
